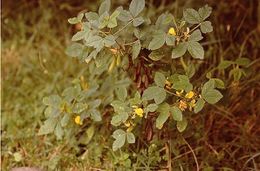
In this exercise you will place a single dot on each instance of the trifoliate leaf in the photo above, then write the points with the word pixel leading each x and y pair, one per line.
pixel 120 137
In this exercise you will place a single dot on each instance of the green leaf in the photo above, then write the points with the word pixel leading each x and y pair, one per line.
pixel 79 107
pixel 74 50
pixel 77 19
pixel 237 73
pixel 94 103
pixel 121 93
pixel 209 85
pixel 206 27
pixel 130 137
pixel 242 61
pixel 136 100
pixel 95 115
pixel 58 131
pixel 109 40
pixel 48 126
pixel 156 55
pixel 205 12
pixel 190 71
pixel 167 19
pixel 73 20
pixel 138 21
pixel 170 40
pixel 199 105
pixel 159 79
pixel 119 106
pixel 176 113
pixel 209 93
pixel 179 50
pixel 104 20
pixel 219 83
pixel 53 100
pixel 91 16
pixel 95 41
pixel 163 110
pixel 224 64
pixel 182 83
pixel 112 23
pixel 115 14
pixel 136 49
pixel 104 7
pixel 79 36
pixel 195 36
pixel 65 120
pixel 158 94
pixel 124 15
pixel 196 50
pixel 191 16
pixel 120 137
pixel 119 118
pixel 136 7
pixel 151 107
pixel 212 96
pixel 157 41
pixel 181 125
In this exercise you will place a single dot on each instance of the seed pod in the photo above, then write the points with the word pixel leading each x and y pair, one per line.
pixel 112 65
pixel 118 60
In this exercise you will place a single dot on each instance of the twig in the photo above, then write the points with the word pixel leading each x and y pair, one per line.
pixel 194 156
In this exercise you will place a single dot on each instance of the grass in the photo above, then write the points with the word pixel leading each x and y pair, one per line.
pixel 224 137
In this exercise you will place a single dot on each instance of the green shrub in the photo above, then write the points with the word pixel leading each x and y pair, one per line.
pixel 139 79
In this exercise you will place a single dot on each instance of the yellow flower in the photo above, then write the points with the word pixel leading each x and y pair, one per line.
pixel 192 104
pixel 189 95
pixel 182 105
pixel 78 120
pixel 130 129
pixel 127 124
pixel 172 31
pixel 168 84
pixel 139 112
pixel 179 93
pixel 114 51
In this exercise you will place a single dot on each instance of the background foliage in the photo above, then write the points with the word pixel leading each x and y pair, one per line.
pixel 224 136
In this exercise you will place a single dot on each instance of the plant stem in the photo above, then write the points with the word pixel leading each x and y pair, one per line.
pixel 123 27
pixel 183 64
pixel 195 27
